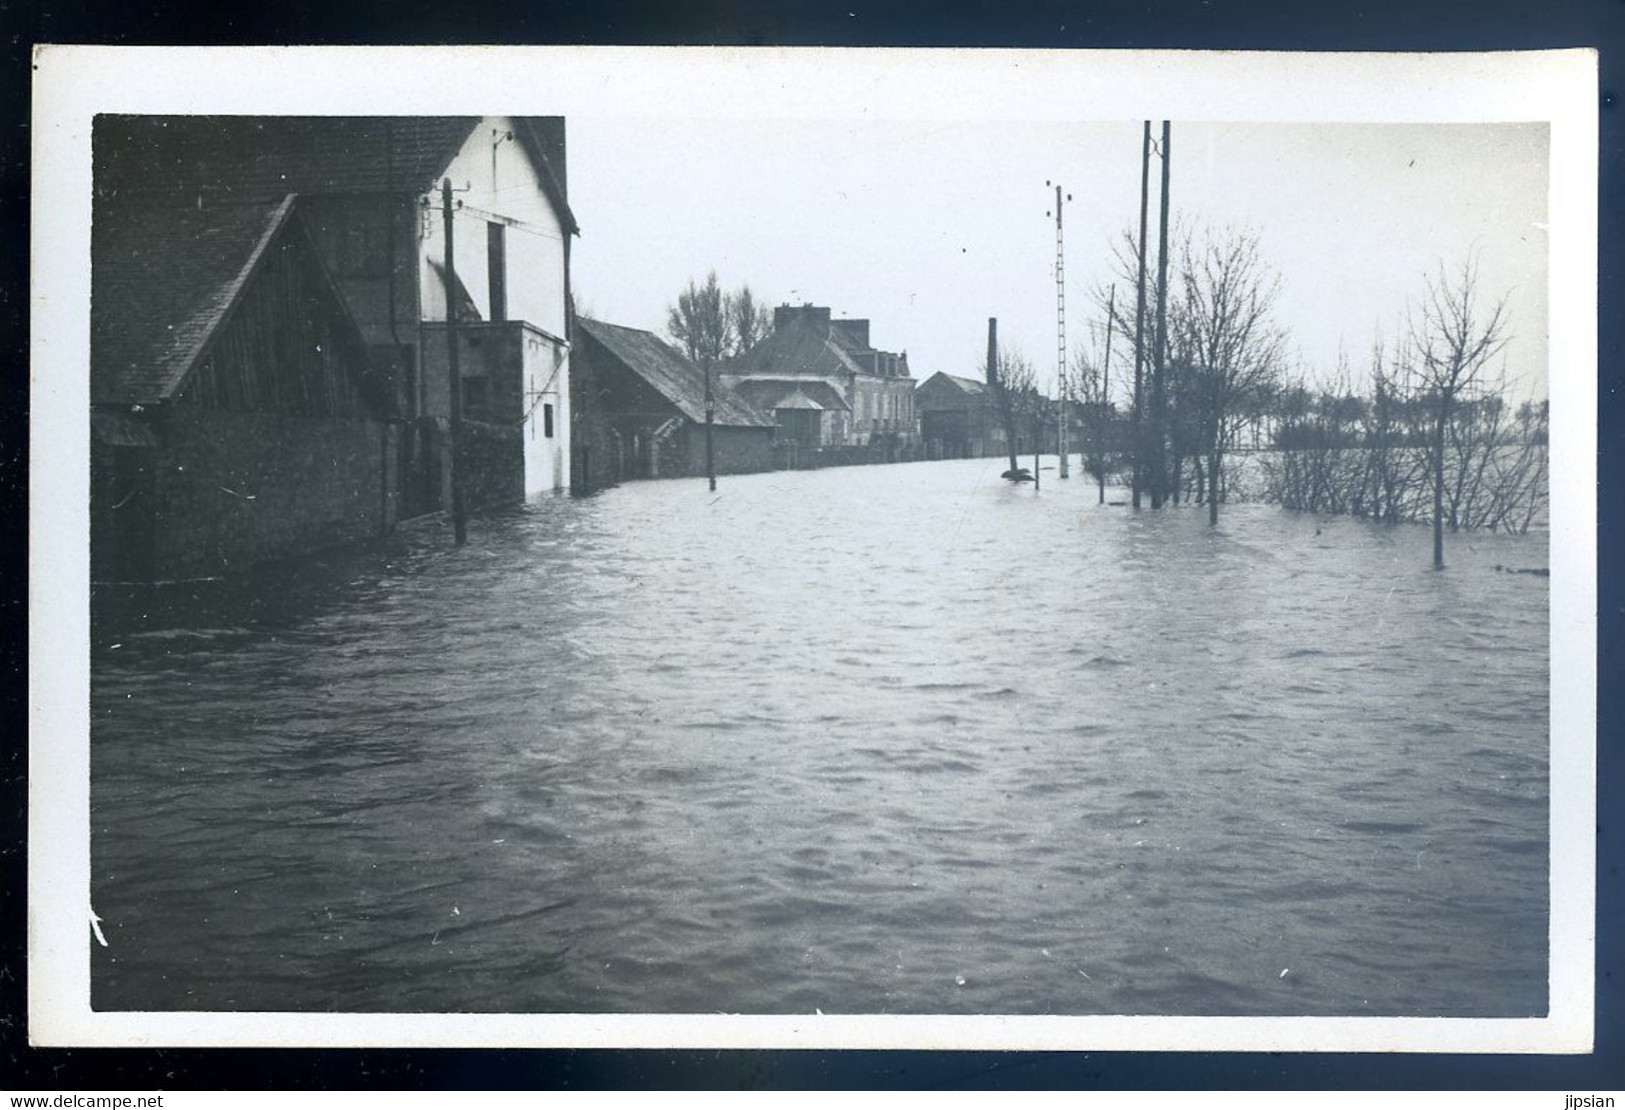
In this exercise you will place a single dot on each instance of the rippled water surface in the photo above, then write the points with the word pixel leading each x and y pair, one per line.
pixel 885 739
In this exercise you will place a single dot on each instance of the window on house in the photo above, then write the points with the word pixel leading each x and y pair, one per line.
pixel 547 421
pixel 496 260
pixel 476 394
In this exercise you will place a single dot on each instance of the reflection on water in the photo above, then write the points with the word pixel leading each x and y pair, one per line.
pixel 886 739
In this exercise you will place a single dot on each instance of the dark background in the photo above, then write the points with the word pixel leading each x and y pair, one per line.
pixel 1414 25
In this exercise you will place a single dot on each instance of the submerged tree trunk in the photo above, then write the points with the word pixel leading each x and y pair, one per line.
pixel 1438 485
pixel 1010 440
pixel 1213 464
pixel 1038 443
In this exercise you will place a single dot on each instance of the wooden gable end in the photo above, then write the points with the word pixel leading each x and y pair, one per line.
pixel 288 344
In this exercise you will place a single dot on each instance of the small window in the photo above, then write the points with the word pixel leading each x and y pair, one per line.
pixel 547 421
pixel 476 394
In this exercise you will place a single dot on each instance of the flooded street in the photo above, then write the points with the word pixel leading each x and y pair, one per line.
pixel 881 739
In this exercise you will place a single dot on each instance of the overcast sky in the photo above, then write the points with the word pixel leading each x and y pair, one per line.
pixel 929 230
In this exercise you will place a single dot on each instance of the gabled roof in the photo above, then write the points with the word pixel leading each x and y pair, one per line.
pixel 964 385
pixel 255 158
pixel 770 394
pixel 797 349
pixel 163 279
pixel 796 399
pixel 669 372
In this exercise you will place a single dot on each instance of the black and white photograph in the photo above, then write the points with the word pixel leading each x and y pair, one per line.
pixel 883 547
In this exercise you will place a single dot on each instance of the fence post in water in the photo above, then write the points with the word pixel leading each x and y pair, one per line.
pixel 454 375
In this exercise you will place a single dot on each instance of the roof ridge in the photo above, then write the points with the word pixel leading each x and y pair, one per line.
pixel 234 289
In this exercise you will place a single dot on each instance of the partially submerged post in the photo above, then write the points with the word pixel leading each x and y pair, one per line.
pixel 1037 403
pixel 1138 432
pixel 459 517
pixel 1000 397
pixel 1159 397
pixel 1060 341
pixel 710 421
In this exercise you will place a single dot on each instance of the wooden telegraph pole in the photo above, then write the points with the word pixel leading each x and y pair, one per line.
pixel 997 386
pixel 1159 400
pixel 1060 340
pixel 1138 435
pixel 459 516
pixel 710 418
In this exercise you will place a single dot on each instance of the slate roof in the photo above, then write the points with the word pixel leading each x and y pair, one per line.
pixel 670 373
pixel 797 349
pixel 162 280
pixel 796 399
pixel 845 333
pixel 965 385
pixel 768 394
pixel 255 158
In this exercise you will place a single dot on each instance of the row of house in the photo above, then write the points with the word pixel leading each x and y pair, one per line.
pixel 271 367
pixel 813 391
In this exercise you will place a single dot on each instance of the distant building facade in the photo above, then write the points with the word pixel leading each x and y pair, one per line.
pixel 639 407
pixel 826 386
pixel 958 418
pixel 365 200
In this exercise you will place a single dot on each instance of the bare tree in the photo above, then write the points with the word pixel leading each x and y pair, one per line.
pixel 1454 338
pixel 699 323
pixel 1139 335
pixel 1012 383
pixel 1380 456
pixel 1033 409
pixel 1225 340
pixel 1092 391
pixel 748 322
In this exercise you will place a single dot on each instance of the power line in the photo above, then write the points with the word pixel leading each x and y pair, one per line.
pixel 507 221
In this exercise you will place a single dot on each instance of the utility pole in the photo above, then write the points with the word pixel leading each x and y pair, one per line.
pixel 1139 320
pixel 1159 399
pixel 997 387
pixel 459 517
pixel 1060 337
pixel 710 420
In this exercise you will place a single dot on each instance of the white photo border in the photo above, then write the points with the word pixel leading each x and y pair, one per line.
pixel 72 84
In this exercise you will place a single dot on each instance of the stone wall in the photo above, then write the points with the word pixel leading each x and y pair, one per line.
pixel 737 451
pixel 229 489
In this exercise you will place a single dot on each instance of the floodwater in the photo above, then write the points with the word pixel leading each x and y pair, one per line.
pixel 894 739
